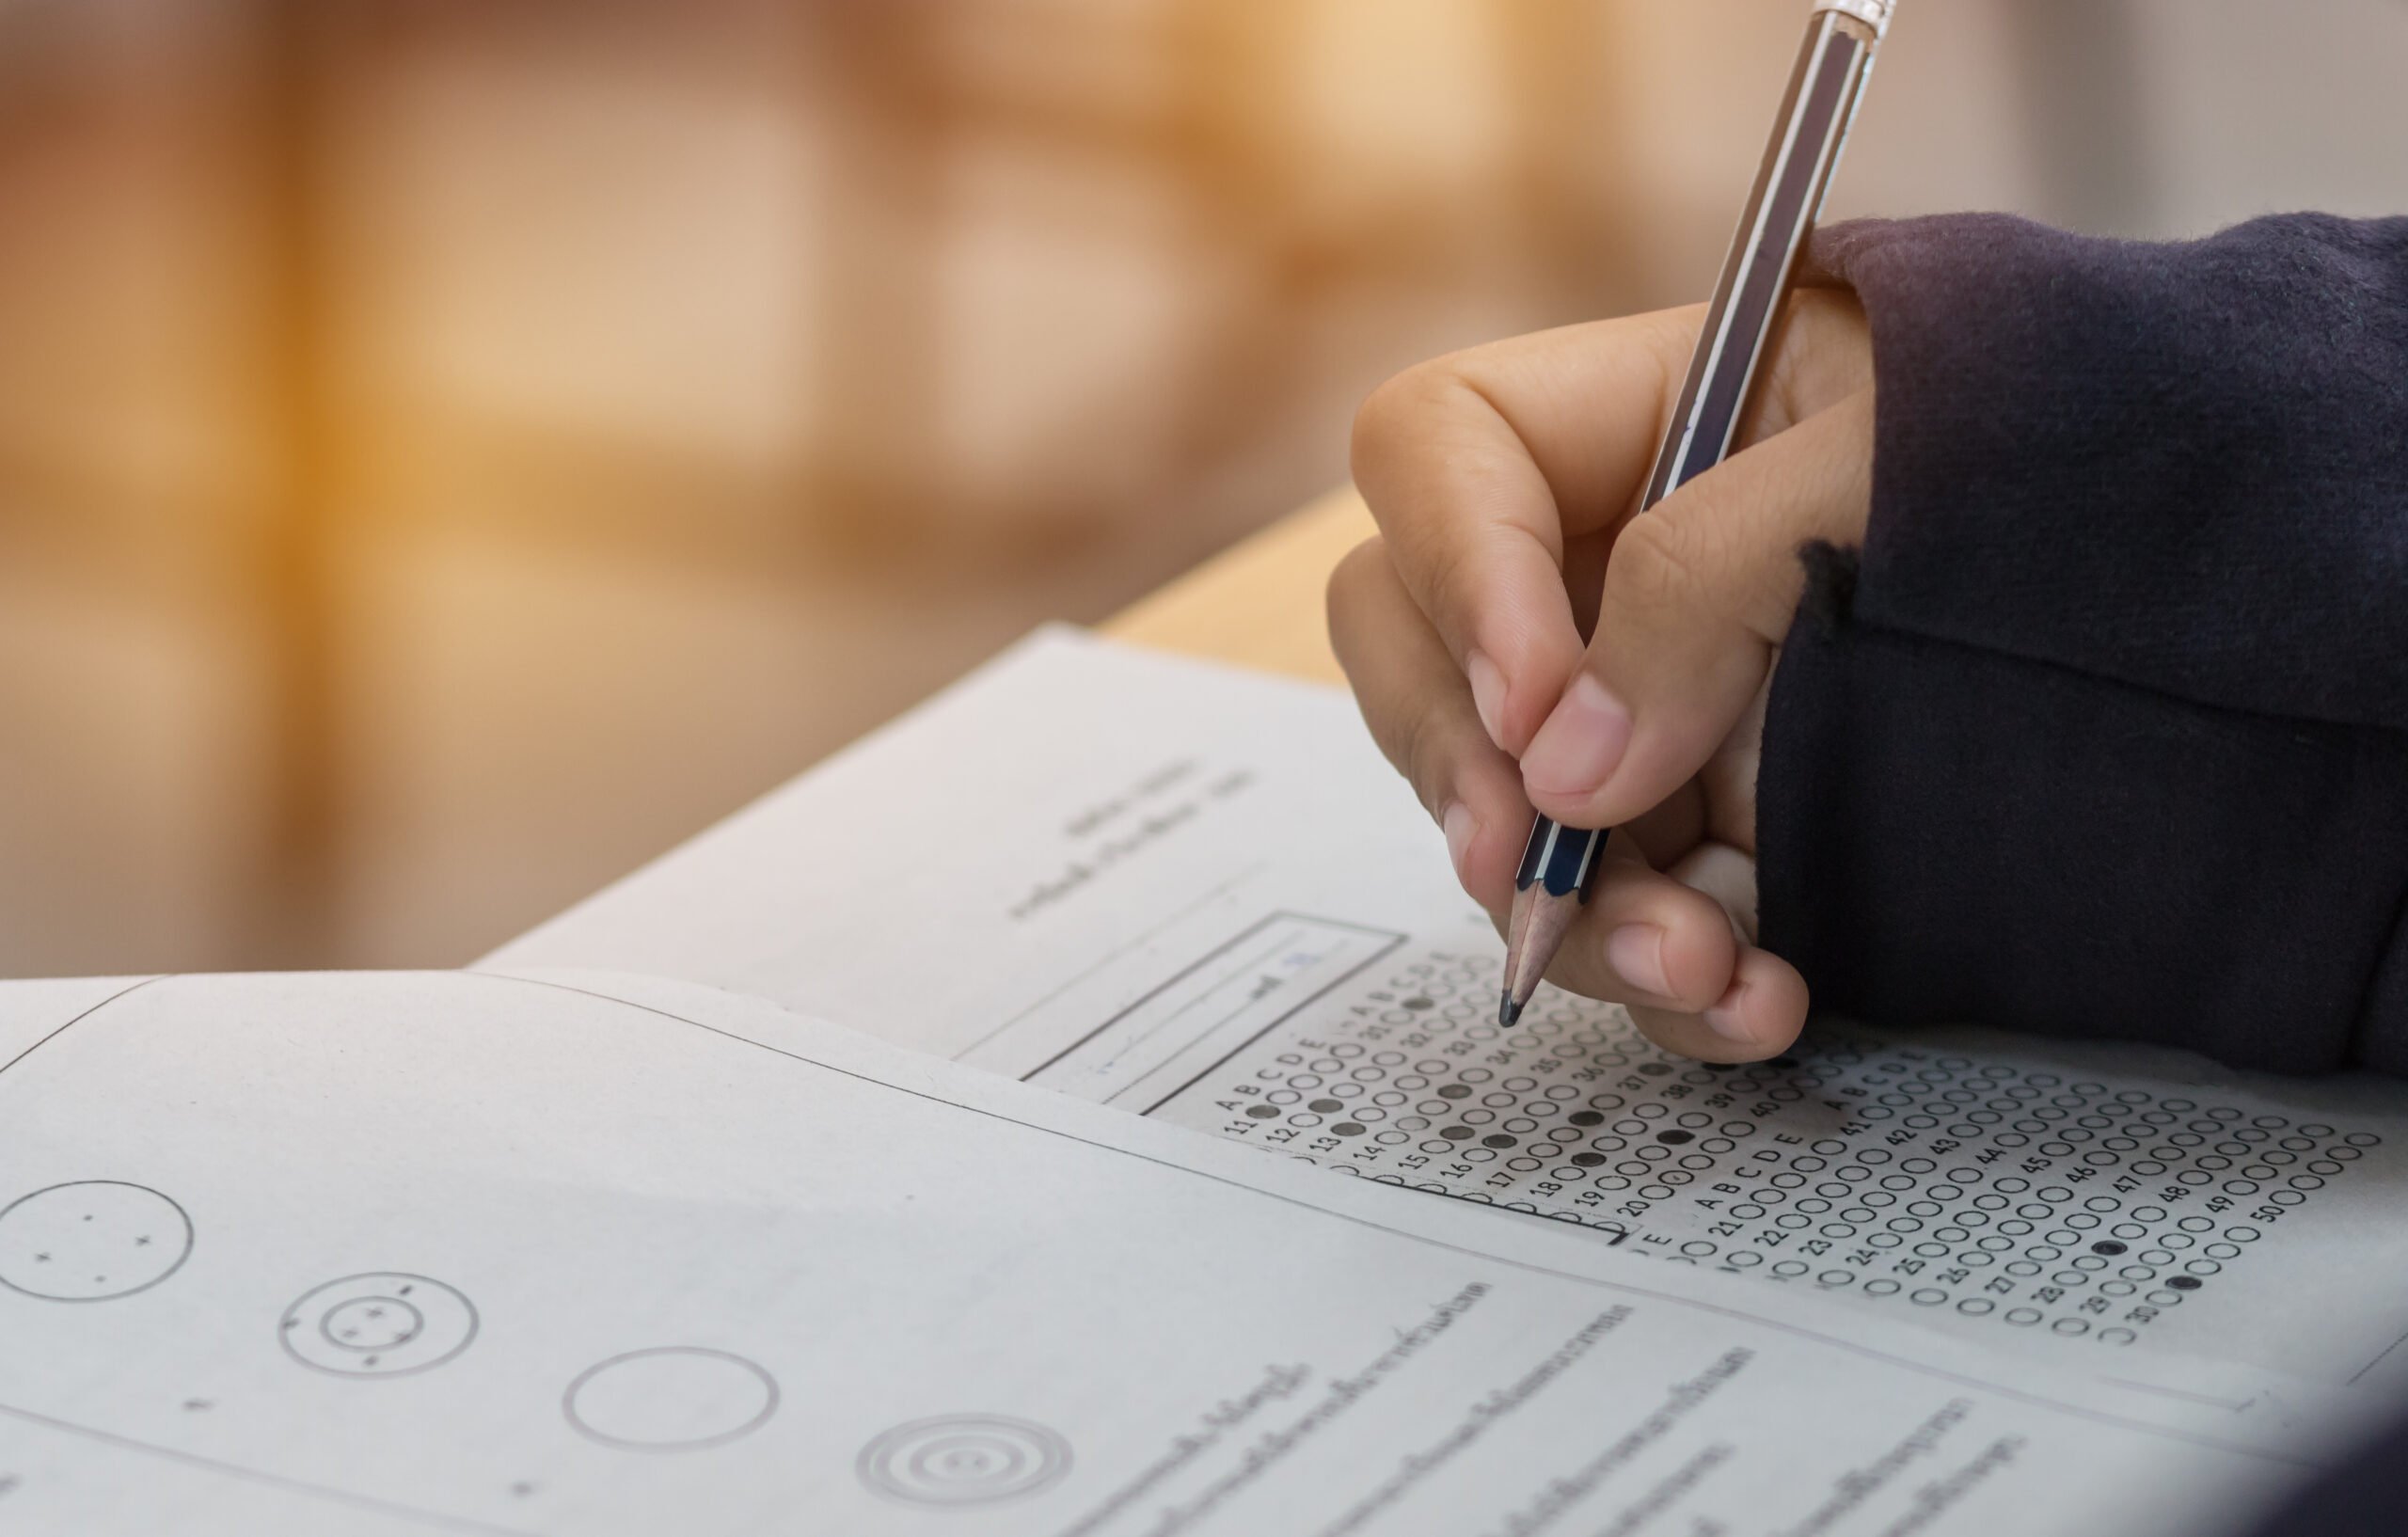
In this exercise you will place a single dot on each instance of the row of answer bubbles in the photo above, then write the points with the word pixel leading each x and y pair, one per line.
pixel 1997 1190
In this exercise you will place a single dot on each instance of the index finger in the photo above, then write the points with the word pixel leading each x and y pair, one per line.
pixel 1480 466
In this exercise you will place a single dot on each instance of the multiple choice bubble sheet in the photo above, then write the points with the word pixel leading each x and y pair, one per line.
pixel 1198 896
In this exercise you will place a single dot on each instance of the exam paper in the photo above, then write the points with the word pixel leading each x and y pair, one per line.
pixel 1197 895
pixel 441 1252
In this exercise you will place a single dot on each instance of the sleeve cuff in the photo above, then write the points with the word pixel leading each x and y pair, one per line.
pixel 2104 732
pixel 1951 834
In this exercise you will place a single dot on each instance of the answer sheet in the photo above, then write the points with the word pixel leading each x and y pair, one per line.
pixel 392 1253
pixel 1198 896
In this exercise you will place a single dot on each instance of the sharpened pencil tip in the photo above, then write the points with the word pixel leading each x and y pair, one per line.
pixel 1507 1009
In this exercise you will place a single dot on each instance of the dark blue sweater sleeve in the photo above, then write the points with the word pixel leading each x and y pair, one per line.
pixel 2104 729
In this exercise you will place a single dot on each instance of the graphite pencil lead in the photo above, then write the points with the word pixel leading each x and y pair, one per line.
pixel 1539 922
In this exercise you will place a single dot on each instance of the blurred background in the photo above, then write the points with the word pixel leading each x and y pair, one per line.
pixel 450 451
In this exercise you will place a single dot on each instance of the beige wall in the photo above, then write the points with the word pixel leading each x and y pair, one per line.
pixel 448 452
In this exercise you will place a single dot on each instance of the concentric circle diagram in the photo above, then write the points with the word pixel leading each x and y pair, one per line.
pixel 382 1323
pixel 963 1460
pixel 91 1240
pixel 670 1398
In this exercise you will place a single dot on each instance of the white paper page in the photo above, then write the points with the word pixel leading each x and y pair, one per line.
pixel 1198 894
pixel 440 1252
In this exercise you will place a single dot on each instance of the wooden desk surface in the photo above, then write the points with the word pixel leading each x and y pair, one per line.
pixel 1259 603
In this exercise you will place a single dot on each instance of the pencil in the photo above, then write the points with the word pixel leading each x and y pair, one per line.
pixel 1559 863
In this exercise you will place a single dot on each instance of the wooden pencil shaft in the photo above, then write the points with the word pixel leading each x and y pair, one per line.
pixel 1825 83
pixel 1807 135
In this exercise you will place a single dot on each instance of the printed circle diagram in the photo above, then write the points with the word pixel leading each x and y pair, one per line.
pixel 382 1323
pixel 963 1460
pixel 91 1240
pixel 670 1398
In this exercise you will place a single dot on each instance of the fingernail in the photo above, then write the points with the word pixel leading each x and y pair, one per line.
pixel 1723 1017
pixel 1636 952
pixel 1460 829
pixel 1582 740
pixel 1487 695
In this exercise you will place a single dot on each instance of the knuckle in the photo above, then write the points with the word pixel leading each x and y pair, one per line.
pixel 1389 421
pixel 1352 584
pixel 1357 570
pixel 1414 418
pixel 1445 572
pixel 1653 566
pixel 1425 758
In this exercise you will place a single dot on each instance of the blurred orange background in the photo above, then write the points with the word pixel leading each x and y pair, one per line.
pixel 448 452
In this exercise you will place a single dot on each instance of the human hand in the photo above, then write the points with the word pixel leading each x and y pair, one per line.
pixel 1506 482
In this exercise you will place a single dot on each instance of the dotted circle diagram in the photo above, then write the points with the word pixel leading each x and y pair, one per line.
pixel 91 1240
pixel 380 1323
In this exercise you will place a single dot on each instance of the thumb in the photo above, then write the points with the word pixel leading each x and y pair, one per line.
pixel 1699 590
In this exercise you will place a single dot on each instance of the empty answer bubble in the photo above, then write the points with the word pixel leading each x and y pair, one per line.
pixel 1996 1194
pixel 670 1398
